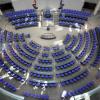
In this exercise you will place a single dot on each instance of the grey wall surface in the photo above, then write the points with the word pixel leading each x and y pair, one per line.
pixel 4 1
pixel 92 1
pixel 42 4
pixel 22 4
pixel 74 4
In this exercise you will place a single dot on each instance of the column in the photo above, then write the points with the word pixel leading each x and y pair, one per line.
pixel 97 8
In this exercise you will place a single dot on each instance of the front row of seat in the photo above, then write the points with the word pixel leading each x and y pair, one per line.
pixel 80 90
pixel 67 24
pixel 41 84
pixel 36 96
pixel 8 85
pixel 26 24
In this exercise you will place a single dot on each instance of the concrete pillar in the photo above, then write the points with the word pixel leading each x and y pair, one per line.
pixel 97 8
pixel 1 12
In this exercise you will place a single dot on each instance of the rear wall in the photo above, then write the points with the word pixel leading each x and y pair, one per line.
pixel 27 4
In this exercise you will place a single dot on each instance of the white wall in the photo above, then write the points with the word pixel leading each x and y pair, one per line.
pixel 48 4
pixel 22 4
pixel 26 4
pixel 74 4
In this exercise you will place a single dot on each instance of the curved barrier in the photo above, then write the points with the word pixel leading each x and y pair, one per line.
pixel 11 95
